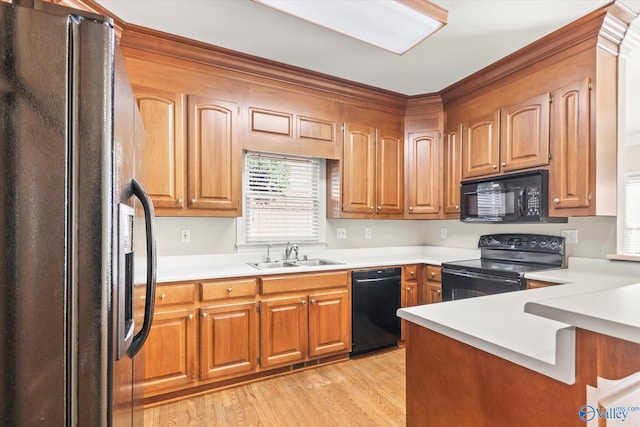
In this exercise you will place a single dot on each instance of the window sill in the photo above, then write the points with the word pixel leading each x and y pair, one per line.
pixel 620 257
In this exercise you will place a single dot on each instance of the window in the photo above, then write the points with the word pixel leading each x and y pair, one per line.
pixel 282 199
pixel 631 230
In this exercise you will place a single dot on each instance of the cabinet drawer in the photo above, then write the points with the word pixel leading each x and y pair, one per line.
pixel 434 274
pixel 183 293
pixel 210 291
pixel 304 282
pixel 411 272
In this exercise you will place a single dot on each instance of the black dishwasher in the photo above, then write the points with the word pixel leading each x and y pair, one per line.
pixel 375 296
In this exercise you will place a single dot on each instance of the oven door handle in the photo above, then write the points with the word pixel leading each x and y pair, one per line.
pixel 476 275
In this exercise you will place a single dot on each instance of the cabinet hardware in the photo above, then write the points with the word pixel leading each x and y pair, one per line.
pixel 179 201
pixel 370 208
pixel 205 315
pixel 457 207
pixel 556 200
pixel 413 273
pixel 439 291
pixel 229 290
pixel 379 207
pixel 410 208
pixel 313 301
pixel 550 156
pixel 433 274
pixel 495 166
pixel 162 296
pixel 191 317
pixel 504 164
pixel 193 201
pixel 303 302
pixel 408 289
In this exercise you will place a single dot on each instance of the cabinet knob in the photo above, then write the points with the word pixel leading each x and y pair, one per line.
pixel 504 164
pixel 162 296
pixel 438 291
pixel 370 208
pixel 556 200
pixel 408 289
pixel 413 273
pixel 433 274
pixel 179 201
pixel 313 301
pixel 205 314
pixel 229 290
pixel 495 167
pixel 193 201
pixel 191 317
pixel 379 207
pixel 410 208
pixel 457 207
pixel 303 302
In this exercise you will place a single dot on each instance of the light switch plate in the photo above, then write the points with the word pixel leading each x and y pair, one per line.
pixel 570 236
pixel 341 233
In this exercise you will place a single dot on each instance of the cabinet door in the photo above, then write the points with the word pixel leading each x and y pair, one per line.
pixel 162 114
pixel 389 173
pixel 434 292
pixel 423 169
pixel 329 323
pixel 524 137
pixel 284 333
pixel 170 351
pixel 228 340
pixel 570 175
pixel 481 146
pixel 409 299
pixel 358 169
pixel 215 163
pixel 452 171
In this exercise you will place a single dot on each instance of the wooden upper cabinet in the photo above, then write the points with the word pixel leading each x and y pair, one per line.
pixel 452 161
pixel 389 173
pixel 423 173
pixel 524 137
pixel 358 169
pixel 162 115
pixel 215 161
pixel 481 146
pixel 372 172
pixel 570 177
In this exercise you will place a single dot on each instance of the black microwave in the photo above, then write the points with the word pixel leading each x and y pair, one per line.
pixel 521 197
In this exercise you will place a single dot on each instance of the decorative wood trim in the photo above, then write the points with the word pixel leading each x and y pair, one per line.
pixel 601 28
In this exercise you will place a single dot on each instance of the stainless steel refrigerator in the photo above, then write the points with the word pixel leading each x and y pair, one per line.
pixel 70 151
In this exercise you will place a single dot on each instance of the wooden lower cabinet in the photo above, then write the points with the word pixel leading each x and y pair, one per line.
pixel 283 326
pixel 433 285
pixel 301 326
pixel 211 333
pixel 170 351
pixel 228 340
pixel 409 291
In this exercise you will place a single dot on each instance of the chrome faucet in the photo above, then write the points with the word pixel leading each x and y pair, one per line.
pixel 268 256
pixel 288 250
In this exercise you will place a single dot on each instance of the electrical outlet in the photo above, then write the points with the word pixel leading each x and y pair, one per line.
pixel 367 232
pixel 570 236
pixel 341 233
pixel 443 233
pixel 185 235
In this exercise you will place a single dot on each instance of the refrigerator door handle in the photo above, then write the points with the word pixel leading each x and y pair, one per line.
pixel 141 336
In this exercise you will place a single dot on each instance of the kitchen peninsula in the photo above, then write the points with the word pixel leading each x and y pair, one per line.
pixel 525 357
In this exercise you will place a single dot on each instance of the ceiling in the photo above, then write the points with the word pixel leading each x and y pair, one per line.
pixel 478 33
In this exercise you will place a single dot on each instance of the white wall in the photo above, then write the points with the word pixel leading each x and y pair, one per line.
pixel 596 235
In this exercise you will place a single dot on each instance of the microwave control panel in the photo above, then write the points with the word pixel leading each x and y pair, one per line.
pixel 533 200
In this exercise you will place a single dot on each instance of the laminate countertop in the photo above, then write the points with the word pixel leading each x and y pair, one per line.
pixel 200 267
pixel 536 328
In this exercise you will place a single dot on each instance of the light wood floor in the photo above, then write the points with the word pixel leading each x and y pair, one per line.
pixel 364 391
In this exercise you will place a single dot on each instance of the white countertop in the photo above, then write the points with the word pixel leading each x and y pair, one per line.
pixel 536 328
pixel 199 267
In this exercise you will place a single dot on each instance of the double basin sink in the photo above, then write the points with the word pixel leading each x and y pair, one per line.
pixel 290 264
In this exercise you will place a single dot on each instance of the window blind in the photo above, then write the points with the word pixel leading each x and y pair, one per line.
pixel 282 198
pixel 632 215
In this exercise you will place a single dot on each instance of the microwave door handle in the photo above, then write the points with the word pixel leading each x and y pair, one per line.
pixel 522 202
pixel 149 219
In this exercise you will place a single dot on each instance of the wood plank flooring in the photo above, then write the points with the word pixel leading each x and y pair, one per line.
pixel 366 391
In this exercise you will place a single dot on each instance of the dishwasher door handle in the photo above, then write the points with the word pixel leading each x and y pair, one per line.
pixel 378 279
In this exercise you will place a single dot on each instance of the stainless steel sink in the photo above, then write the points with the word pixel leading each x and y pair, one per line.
pixel 316 262
pixel 298 263
pixel 272 264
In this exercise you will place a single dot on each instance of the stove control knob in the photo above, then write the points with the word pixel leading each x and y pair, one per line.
pixel 554 244
pixel 543 243
pixel 533 242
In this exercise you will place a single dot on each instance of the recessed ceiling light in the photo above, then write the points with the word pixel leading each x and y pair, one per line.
pixel 393 25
